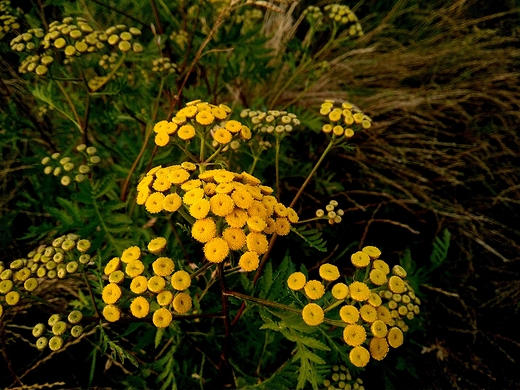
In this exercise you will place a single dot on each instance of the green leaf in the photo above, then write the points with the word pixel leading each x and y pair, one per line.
pixel 312 237
pixel 313 343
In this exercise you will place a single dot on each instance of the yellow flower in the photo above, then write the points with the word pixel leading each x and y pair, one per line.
pixel 296 281
pixel 161 184
pixel 145 183
pixel 280 210
pixel 257 209
pixel 329 272
pixel 162 139
pixel 250 179
pixel 116 277
pixel 205 118
pixel 182 303
pixel 180 280
pixel 160 126
pixel 283 227
pixel 396 284
pixel 368 313
pixel 270 226
pixel 313 314
pixel 242 198
pixel 111 293
pixel 152 171
pixel 327 128
pixel 233 126
pixel 186 132
pixel 216 250
pixel 257 242
pixel 360 259
pixel 224 188
pixel 338 130
pixel 384 314
pixel 139 285
pixel 219 113
pixel 378 348
pixel 381 265
pixel 12 298
pixel 349 314
pixel 379 329
pixel 204 230
pixel 164 298
pixel 340 291
pixel 237 218
pixel 112 265
pixel 335 115
pixel 377 277
pixel 292 215
pixel 192 196
pixel 256 224
pixel 222 136
pixel 154 203
pixel 142 196
pixel 223 176
pixel 249 261
pixel 162 318
pixel 178 176
pixel 172 202
pixel 200 208
pixel 157 245
pixel 235 237
pixel 245 133
pixel 139 307
pixel 156 284
pixel 134 268
pixel 395 337
pixel 372 251
pixel 358 117
pixel 349 133
pixel 354 335
pixel 399 271
pixel 359 291
pixel 374 300
pixel 191 184
pixel 163 266
pixel 130 254
pixel 359 356
pixel 221 204
pixel 314 289
pixel 112 313
pixel 189 166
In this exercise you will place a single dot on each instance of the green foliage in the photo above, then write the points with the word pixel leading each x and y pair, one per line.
pixel 312 237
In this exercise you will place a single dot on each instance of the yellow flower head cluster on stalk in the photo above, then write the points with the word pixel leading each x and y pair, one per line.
pixel 343 119
pixel 341 378
pixel 274 122
pixel 230 211
pixel 331 214
pixel 8 18
pixel 162 284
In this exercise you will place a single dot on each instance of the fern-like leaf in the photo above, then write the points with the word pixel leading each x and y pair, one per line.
pixel 312 237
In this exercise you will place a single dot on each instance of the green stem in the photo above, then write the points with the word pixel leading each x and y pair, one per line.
pixel 77 122
pixel 214 154
pixel 253 166
pixel 277 168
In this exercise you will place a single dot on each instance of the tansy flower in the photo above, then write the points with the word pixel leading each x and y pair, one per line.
pixel 257 242
pixel 180 280
pixel 349 133
pixel 359 356
pixel 349 314
pixel 182 303
pixel 237 218
pixel 154 203
pixel 354 335
pixel 145 183
pixel 249 261
pixel 139 285
pixel 152 171
pixel 233 126
pixel 235 237
pixel 178 176
pixel 399 271
pixel 296 281
pixel 162 139
pixel 142 196
pixel 360 259
pixel 335 115
pixel 340 291
pixel 374 300
pixel 250 179
pixel 280 210
pixel 257 209
pixel 111 293
pixel 245 133
pixel 224 188
pixel 221 204
pixel 378 348
pixel 200 208
pixel 164 298
pixel 186 132
pixel 329 272
pixel 359 291
pixel 223 176
pixel 396 284
pixel 172 202
pixel 283 227
pixel 326 128
pixel 162 318
pixel 112 266
pixel 191 184
pixel 395 337
pixel 381 265
pixel 115 277
pixel 204 230
pixel 30 285
pixel 222 136
pixel 270 226
pixel 156 284
pixel 157 245
pixel 160 126
pixel 377 277
pixel 314 289
pixel 12 298
pixel 358 117
pixel 384 314
pixel 193 195
pixel 205 118
pixel 338 130
pixel 112 313
pixel 372 251
pixel 216 250
pixel 134 268
pixel 255 192
pixel 256 224
pixel 368 313
pixel 313 314
pixel 219 113
pixel 188 165
pixel 56 342
pixel 292 215
pixel 139 307
pixel 242 198
pixel 379 329
pixel 163 266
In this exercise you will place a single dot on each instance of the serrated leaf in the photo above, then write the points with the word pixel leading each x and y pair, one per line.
pixel 314 358
pixel 312 237
pixel 119 219
pixel 313 343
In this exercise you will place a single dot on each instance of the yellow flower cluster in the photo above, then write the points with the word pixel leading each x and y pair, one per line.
pixel 231 211
pixel 163 65
pixel 7 18
pixel 341 378
pixel 59 330
pixel 333 216
pixel 342 14
pixel 277 123
pixel 342 119
pixel 166 287
pixel 202 116
pixel 313 14
pixel 71 168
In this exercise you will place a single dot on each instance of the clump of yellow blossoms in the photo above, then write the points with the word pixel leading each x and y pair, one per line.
pixel 343 119
pixel 230 212
pixel 335 14
pixel 333 216
pixel 75 168
pixel 59 332
pixel 373 310
pixel 8 20
pixel 157 292
pixel 340 377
